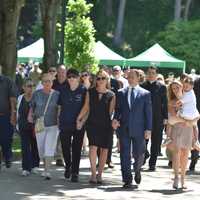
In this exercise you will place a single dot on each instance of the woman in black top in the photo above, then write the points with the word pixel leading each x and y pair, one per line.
pixel 100 103
pixel 30 158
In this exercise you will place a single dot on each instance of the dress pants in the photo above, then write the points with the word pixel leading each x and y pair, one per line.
pixel 155 144
pixel 30 157
pixel 138 147
pixel 6 136
pixel 72 141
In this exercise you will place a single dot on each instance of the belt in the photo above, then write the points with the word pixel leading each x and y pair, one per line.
pixel 2 114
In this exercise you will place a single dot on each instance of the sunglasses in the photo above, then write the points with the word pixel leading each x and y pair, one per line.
pixel 29 86
pixel 84 75
pixel 101 78
pixel 52 70
pixel 72 76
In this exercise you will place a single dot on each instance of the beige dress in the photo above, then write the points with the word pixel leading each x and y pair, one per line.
pixel 181 134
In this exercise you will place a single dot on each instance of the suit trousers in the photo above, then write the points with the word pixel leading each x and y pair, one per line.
pixel 155 144
pixel 137 145
pixel 72 141
pixel 6 136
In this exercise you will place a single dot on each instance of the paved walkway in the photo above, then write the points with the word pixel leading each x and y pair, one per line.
pixel 155 185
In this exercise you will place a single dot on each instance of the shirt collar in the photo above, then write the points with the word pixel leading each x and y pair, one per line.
pixel 135 87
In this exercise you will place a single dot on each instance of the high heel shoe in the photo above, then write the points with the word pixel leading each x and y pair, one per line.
pixel 183 185
pixel 175 183
pixel 99 179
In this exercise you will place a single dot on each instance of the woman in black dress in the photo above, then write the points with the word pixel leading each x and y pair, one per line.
pixel 100 103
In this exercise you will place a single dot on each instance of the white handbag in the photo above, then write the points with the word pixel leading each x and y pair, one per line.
pixel 39 124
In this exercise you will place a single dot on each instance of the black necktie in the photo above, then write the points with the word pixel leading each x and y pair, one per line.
pixel 132 96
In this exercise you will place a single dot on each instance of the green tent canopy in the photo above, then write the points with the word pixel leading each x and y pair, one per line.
pixel 106 56
pixel 156 56
pixel 32 52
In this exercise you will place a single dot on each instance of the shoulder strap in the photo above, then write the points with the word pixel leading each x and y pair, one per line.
pixel 47 104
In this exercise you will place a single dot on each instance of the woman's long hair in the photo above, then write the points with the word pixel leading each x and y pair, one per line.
pixel 171 95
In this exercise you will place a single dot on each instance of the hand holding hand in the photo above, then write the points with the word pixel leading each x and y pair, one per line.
pixel 115 124
pixel 147 134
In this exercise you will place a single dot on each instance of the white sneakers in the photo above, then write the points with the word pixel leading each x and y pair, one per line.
pixel 25 173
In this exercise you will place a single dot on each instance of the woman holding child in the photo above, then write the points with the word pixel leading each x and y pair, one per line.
pixel 181 135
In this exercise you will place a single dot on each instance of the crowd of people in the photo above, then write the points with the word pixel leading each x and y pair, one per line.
pixel 57 112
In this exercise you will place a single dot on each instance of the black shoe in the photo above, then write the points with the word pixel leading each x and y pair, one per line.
pixel 110 165
pixel 127 185
pixel 67 173
pixel 8 163
pixel 170 164
pixel 74 178
pixel 59 163
pixel 152 169
pixel 138 177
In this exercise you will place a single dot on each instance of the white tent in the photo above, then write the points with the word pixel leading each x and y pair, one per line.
pixel 32 52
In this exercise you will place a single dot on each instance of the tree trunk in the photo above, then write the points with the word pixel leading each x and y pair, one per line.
pixel 120 23
pixel 49 10
pixel 9 18
pixel 187 9
pixel 177 10
pixel 109 8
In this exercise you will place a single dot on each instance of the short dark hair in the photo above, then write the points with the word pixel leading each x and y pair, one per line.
pixel 136 72
pixel 188 80
pixel 72 71
pixel 153 68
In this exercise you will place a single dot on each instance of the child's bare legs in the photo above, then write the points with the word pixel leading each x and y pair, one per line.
pixel 168 140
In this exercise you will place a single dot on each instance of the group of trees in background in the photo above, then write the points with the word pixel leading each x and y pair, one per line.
pixel 127 26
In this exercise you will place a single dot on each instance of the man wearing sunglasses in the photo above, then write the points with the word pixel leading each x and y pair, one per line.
pixel 70 102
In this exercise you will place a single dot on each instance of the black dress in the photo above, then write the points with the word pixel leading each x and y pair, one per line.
pixel 99 129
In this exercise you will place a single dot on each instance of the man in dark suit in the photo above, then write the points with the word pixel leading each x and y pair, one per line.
pixel 195 153
pixel 133 116
pixel 160 113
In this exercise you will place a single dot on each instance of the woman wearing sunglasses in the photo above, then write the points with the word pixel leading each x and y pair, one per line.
pixel 30 158
pixel 100 103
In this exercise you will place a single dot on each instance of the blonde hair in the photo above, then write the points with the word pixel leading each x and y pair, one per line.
pixel 106 75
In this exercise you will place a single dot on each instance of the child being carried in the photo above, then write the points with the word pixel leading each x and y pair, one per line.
pixel 186 112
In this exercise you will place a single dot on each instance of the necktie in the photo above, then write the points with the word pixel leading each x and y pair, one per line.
pixel 132 97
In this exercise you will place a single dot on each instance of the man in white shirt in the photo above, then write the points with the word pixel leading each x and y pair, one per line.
pixel 117 73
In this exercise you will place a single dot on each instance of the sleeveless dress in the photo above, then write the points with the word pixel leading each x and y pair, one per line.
pixel 99 129
pixel 181 135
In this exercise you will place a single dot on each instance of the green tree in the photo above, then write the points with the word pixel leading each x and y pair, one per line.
pixel 183 41
pixel 79 36
pixel 9 18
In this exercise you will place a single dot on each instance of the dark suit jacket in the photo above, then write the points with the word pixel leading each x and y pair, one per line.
pixel 197 92
pixel 159 100
pixel 137 119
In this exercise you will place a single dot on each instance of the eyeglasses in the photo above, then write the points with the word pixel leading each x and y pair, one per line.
pixel 46 81
pixel 71 76
pixel 101 78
